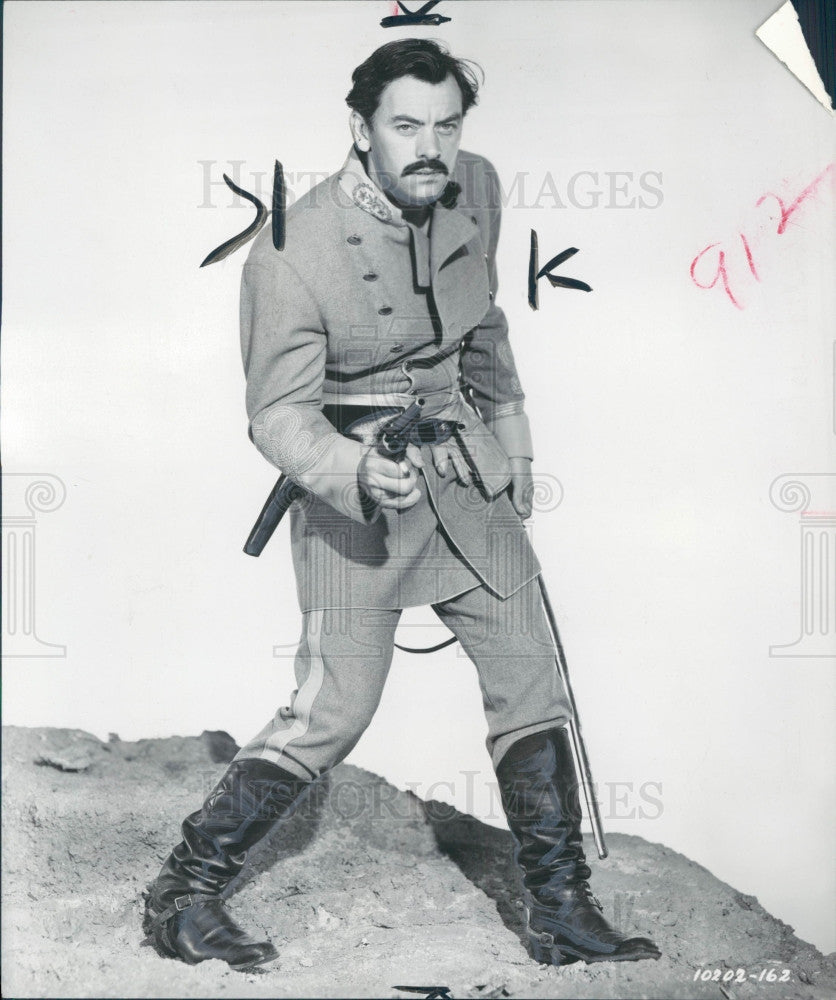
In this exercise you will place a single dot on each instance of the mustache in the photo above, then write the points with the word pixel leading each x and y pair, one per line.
pixel 414 168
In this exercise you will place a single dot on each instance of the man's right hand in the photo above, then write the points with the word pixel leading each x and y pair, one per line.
pixel 388 483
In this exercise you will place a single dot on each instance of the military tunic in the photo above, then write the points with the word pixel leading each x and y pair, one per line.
pixel 361 307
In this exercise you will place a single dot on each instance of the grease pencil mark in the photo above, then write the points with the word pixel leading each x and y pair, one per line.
pixel 726 267
pixel 278 206
pixel 786 213
pixel 411 17
pixel 261 214
pixel 535 272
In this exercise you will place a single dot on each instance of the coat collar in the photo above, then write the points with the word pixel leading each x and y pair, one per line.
pixel 449 230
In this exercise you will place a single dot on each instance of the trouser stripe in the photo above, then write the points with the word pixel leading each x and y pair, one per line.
pixel 311 687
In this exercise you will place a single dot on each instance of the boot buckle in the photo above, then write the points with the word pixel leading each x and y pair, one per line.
pixel 183 903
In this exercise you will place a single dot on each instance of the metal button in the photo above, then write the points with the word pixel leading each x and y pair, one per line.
pixel 369 277
pixel 490 295
pixel 396 349
pixel 385 311
pixel 354 240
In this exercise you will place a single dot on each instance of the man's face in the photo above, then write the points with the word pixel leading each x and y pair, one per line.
pixel 414 139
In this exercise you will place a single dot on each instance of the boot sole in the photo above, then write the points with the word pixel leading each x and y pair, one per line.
pixel 161 938
pixel 545 950
pixel 246 966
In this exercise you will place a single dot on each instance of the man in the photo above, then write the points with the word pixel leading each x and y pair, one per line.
pixel 383 296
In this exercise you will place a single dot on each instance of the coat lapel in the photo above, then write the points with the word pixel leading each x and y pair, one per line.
pixel 451 232
pixel 459 271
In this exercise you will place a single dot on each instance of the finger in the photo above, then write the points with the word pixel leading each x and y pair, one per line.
pixel 521 487
pixel 401 484
pixel 394 487
pixel 400 503
pixel 413 453
pixel 460 466
pixel 522 508
pixel 384 471
pixel 439 452
pixel 378 465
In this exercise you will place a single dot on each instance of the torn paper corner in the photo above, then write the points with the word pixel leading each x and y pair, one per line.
pixel 783 36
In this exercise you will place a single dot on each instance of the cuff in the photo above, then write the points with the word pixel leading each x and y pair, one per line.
pixel 322 461
pixel 514 434
pixel 335 478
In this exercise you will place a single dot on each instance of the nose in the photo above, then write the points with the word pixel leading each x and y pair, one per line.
pixel 427 146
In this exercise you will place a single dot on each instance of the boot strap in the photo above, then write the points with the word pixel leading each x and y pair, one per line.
pixel 181 903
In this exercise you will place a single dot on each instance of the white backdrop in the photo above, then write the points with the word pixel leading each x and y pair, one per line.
pixel 665 411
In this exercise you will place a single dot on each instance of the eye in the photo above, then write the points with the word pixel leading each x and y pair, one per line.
pixel 447 128
pixel 405 128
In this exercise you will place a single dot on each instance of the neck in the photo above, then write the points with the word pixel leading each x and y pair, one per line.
pixel 416 215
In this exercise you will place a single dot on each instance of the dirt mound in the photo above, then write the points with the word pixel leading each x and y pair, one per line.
pixel 364 889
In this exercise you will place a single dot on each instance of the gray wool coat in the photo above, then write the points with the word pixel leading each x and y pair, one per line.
pixel 362 307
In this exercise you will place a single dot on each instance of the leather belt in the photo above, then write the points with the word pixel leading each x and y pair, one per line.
pixel 380 400
pixel 357 420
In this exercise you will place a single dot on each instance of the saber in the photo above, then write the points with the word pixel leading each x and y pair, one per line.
pixel 581 758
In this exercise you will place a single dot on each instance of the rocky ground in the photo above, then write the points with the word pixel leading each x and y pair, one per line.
pixel 365 889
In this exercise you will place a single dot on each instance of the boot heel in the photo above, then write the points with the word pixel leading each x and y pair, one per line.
pixel 543 949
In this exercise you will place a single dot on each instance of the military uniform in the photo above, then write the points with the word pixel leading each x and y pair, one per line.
pixel 363 308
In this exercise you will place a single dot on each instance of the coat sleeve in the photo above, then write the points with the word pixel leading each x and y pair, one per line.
pixel 487 362
pixel 283 345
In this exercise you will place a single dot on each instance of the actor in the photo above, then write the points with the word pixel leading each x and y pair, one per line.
pixel 384 296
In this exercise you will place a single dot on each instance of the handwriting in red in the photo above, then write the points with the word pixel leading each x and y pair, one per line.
pixel 727 265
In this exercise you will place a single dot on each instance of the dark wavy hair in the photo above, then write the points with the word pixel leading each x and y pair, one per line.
pixel 419 57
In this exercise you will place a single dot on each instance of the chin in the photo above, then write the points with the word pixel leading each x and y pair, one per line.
pixel 426 194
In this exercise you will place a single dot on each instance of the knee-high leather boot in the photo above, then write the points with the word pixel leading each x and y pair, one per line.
pixel 184 910
pixel 565 922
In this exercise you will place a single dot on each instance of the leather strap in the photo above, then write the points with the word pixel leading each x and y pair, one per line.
pixel 380 400
pixel 181 903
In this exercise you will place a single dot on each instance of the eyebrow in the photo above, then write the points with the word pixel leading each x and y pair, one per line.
pixel 415 121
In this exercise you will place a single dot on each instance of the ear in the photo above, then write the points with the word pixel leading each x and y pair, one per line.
pixel 360 132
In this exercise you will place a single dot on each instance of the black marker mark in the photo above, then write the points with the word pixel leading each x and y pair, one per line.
pixel 535 272
pixel 278 206
pixel 261 213
pixel 421 16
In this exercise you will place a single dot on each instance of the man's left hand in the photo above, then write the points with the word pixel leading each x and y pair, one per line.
pixel 522 486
